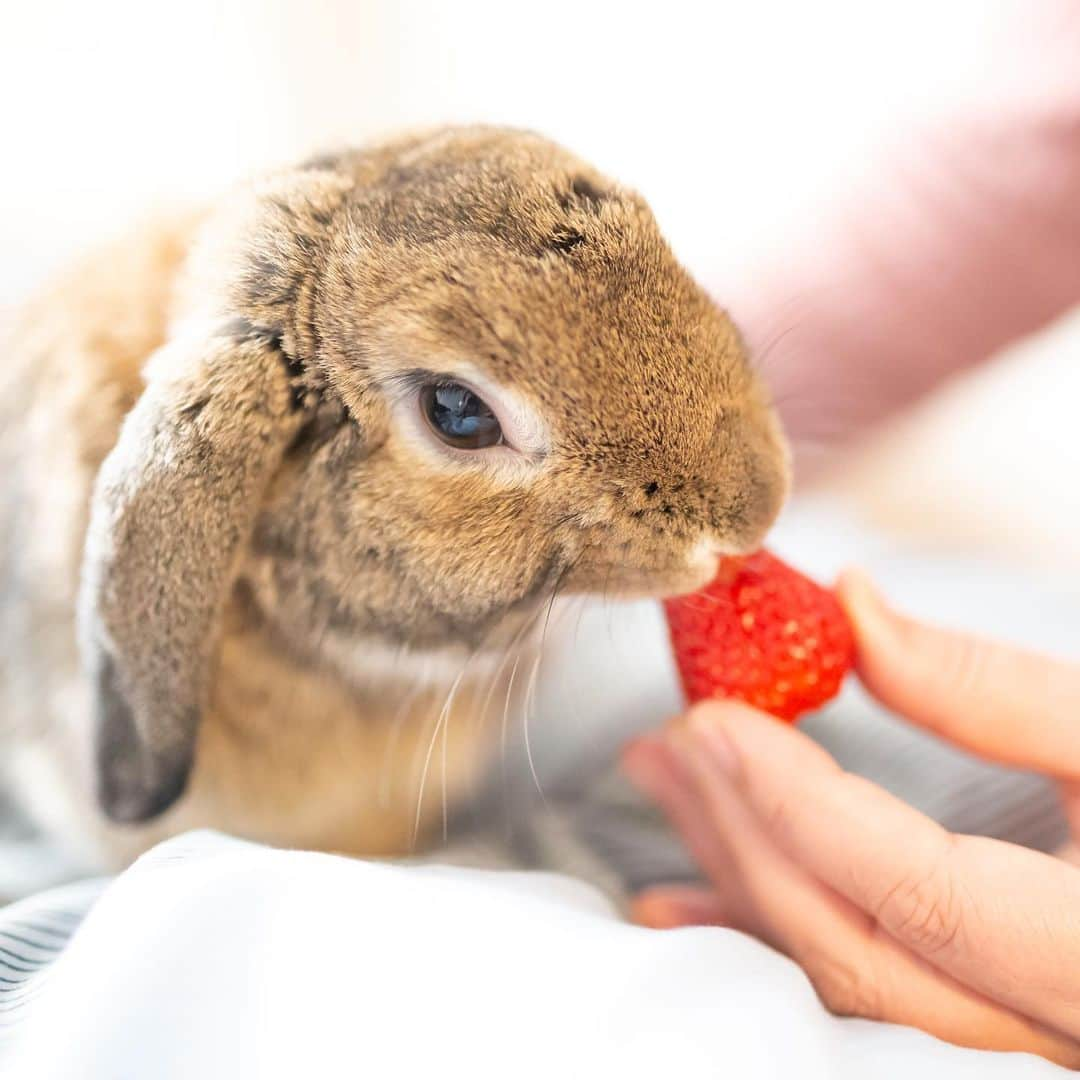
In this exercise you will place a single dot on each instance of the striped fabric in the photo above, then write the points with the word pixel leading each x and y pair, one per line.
pixel 603 831
pixel 33 934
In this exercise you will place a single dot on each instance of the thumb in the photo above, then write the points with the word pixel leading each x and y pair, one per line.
pixel 1003 703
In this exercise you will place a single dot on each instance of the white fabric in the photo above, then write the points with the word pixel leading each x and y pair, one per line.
pixel 212 957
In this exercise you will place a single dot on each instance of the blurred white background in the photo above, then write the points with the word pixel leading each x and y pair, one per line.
pixel 738 120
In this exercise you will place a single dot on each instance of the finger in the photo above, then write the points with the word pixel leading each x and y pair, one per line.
pixel 759 885
pixel 855 969
pixel 667 907
pixel 1003 703
pixel 652 765
pixel 1069 794
pixel 998 918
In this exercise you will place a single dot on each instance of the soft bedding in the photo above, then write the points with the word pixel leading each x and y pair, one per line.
pixel 216 958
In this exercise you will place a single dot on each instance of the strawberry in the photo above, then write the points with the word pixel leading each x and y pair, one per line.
pixel 763 633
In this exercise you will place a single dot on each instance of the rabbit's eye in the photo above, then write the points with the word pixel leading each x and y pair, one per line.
pixel 458 417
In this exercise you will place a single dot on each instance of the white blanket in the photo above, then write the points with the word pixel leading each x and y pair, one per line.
pixel 212 958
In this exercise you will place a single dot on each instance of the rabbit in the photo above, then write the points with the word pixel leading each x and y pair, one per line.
pixel 290 480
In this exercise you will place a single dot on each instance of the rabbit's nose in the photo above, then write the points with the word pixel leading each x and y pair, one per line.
pixel 747 514
pixel 751 485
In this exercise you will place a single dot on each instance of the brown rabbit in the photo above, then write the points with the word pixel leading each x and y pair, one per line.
pixel 287 482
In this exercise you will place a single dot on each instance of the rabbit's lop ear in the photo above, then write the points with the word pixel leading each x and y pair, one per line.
pixel 173 504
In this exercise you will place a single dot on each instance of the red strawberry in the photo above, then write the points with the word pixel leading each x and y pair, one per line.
pixel 763 633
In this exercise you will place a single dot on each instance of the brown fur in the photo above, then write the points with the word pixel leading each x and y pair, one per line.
pixel 268 533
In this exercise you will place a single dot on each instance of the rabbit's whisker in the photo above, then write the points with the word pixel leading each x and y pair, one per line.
pixel 393 737
pixel 534 678
pixel 530 693
pixel 503 730
pixel 527 707
pixel 760 355
pixel 445 738
pixel 480 716
pixel 443 716
pixel 442 723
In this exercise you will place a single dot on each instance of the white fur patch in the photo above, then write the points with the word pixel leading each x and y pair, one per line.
pixel 370 660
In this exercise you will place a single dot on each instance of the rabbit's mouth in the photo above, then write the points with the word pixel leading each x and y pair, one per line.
pixel 638 571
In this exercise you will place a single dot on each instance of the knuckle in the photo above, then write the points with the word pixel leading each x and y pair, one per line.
pixel 962 663
pixel 845 989
pixel 785 809
pixel 780 816
pixel 923 911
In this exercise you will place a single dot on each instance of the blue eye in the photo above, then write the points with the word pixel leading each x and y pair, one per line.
pixel 458 417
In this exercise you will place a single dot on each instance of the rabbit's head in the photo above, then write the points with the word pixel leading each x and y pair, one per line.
pixel 415 391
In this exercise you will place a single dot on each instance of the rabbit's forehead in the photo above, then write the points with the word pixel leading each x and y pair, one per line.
pixel 588 355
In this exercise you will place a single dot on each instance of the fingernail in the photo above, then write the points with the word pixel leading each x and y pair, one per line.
pixel 857 585
pixel 631 753
pixel 862 599
pixel 637 774
pixel 708 734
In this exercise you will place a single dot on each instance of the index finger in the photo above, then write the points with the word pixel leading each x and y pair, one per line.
pixel 1003 703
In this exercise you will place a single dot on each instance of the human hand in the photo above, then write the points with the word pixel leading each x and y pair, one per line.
pixel 974 940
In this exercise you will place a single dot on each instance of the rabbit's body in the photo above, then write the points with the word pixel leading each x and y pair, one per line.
pixel 345 777
pixel 221 513
pixel 72 372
